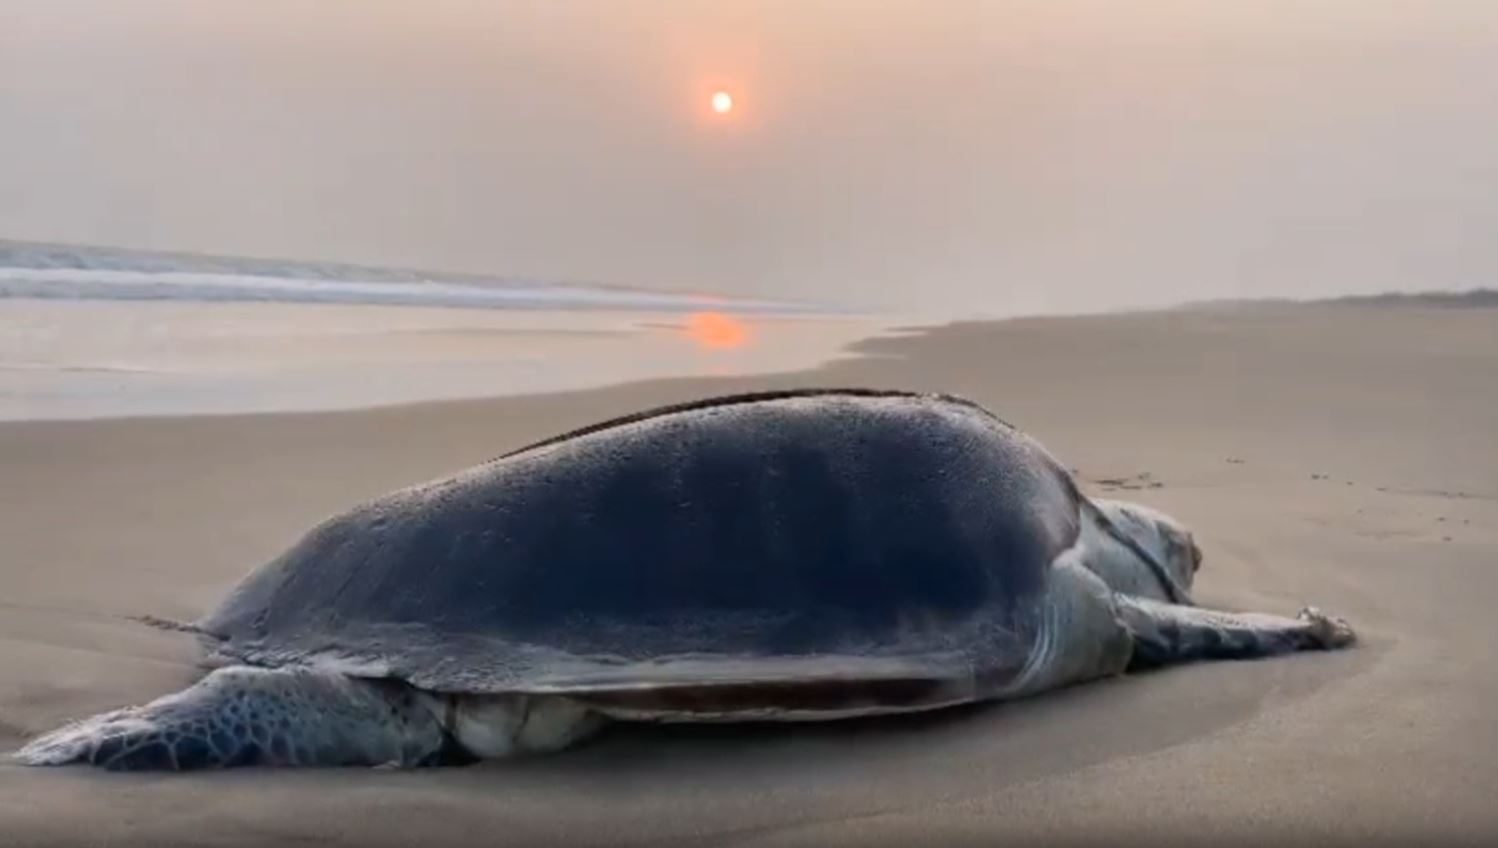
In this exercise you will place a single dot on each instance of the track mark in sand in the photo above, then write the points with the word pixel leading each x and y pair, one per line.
pixel 1394 524
pixel 50 610
pixel 111 653
pixel 12 730
pixel 167 624
pixel 147 619
pixel 1438 493
pixel 1132 482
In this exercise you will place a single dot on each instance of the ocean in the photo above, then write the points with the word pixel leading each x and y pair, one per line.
pixel 65 272
pixel 99 332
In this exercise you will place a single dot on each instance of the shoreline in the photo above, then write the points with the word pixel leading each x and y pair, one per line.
pixel 87 360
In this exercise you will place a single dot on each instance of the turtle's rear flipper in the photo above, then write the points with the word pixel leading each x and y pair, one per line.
pixel 243 716
pixel 1171 633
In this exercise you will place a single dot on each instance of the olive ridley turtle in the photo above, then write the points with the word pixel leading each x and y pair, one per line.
pixel 796 555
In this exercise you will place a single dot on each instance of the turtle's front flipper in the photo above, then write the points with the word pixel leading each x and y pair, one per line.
pixel 242 716
pixel 1171 633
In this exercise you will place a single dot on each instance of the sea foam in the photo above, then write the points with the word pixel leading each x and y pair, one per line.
pixel 64 272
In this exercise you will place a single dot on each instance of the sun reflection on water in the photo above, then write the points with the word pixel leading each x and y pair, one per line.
pixel 717 331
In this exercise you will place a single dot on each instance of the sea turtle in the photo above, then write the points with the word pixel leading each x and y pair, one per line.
pixel 794 555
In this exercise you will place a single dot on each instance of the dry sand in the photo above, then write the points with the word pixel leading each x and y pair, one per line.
pixel 1341 455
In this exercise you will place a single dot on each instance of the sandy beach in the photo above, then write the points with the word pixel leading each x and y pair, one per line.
pixel 1338 455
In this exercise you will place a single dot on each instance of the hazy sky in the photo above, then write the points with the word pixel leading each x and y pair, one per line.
pixel 991 155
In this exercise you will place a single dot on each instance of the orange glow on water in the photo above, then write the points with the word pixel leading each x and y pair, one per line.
pixel 717 331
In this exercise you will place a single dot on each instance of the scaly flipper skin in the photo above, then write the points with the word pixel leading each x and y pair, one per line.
pixel 243 716
pixel 1171 633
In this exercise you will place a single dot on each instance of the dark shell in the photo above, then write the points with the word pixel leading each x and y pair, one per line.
pixel 798 537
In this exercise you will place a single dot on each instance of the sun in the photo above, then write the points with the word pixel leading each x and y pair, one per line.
pixel 722 102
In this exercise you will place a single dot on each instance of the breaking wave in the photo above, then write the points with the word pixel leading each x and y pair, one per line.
pixel 56 273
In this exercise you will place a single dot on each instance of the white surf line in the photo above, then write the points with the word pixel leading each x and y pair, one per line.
pixel 113 284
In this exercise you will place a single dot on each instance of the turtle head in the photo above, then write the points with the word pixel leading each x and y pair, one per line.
pixel 1165 539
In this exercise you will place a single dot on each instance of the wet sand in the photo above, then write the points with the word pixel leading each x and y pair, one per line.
pixel 82 359
pixel 1337 455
